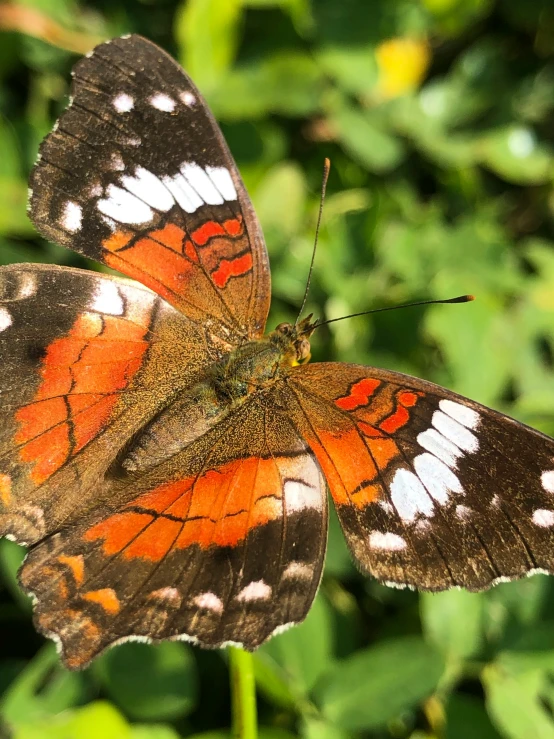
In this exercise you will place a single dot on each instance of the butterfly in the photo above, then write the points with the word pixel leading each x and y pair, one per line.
pixel 165 461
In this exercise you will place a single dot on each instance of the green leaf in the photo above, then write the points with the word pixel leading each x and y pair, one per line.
pixel 364 140
pixel 304 652
pixel 453 621
pixel 43 689
pixel 465 713
pixel 316 728
pixel 280 199
pixel 514 153
pixel 353 67
pixel 153 731
pixel 375 685
pixel 338 562
pixel 99 719
pixel 150 682
pixel 11 558
pixel 289 84
pixel 13 208
pixel 208 34
pixel 272 681
pixel 515 704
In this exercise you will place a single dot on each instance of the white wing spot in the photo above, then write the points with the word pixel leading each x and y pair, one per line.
pixel 26 287
pixel 5 318
pixel 258 590
pixel 187 97
pixel 149 188
pixel 547 480
pixel 72 216
pixel 163 102
pixel 221 177
pixel 117 162
pixel 123 103
pixel 124 207
pixel 455 432
pixel 299 496
pixel 203 185
pixel 96 190
pixel 298 570
pixel 463 512
pixel 185 195
pixel 543 517
pixel 440 447
pixel 209 601
pixel 107 299
pixel 166 593
pixel 460 413
pixel 439 479
pixel 409 497
pixel 390 541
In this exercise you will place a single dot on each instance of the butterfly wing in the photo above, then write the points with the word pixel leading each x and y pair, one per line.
pixel 432 490
pixel 85 361
pixel 229 550
pixel 137 175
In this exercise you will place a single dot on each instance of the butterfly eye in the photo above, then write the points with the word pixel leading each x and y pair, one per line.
pixel 303 353
pixel 284 328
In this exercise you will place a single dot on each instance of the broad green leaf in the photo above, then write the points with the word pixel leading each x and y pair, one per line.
pixel 150 682
pixel 11 557
pixel 13 208
pixel 298 10
pixel 99 719
pixel 304 652
pixel 514 153
pixel 264 732
pixel 208 34
pixel 453 621
pixel 516 605
pixel 153 731
pixel 338 562
pixel 273 681
pixel 529 649
pixel 377 684
pixel 364 140
pixel 280 199
pixel 289 84
pixel 353 67
pixel 316 728
pixel 10 164
pixel 464 714
pixel 44 688
pixel 515 704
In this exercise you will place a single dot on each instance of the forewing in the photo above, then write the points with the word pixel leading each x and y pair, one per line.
pixel 137 175
pixel 85 361
pixel 432 490
pixel 229 548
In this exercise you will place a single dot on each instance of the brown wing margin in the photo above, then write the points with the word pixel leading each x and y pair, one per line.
pixel 230 551
pixel 79 374
pixel 432 490
pixel 137 175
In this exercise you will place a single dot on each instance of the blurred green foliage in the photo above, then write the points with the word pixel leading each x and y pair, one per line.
pixel 438 118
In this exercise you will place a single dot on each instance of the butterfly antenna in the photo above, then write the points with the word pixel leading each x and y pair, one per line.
pixel 459 299
pixel 326 168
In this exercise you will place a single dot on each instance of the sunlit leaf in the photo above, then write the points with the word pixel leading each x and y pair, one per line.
pixel 368 689
pixel 150 682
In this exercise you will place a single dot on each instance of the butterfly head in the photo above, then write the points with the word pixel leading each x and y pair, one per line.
pixel 295 340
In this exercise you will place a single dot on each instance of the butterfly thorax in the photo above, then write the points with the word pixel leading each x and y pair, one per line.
pixel 258 364
pixel 252 367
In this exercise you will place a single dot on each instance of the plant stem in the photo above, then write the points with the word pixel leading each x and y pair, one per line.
pixel 243 694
